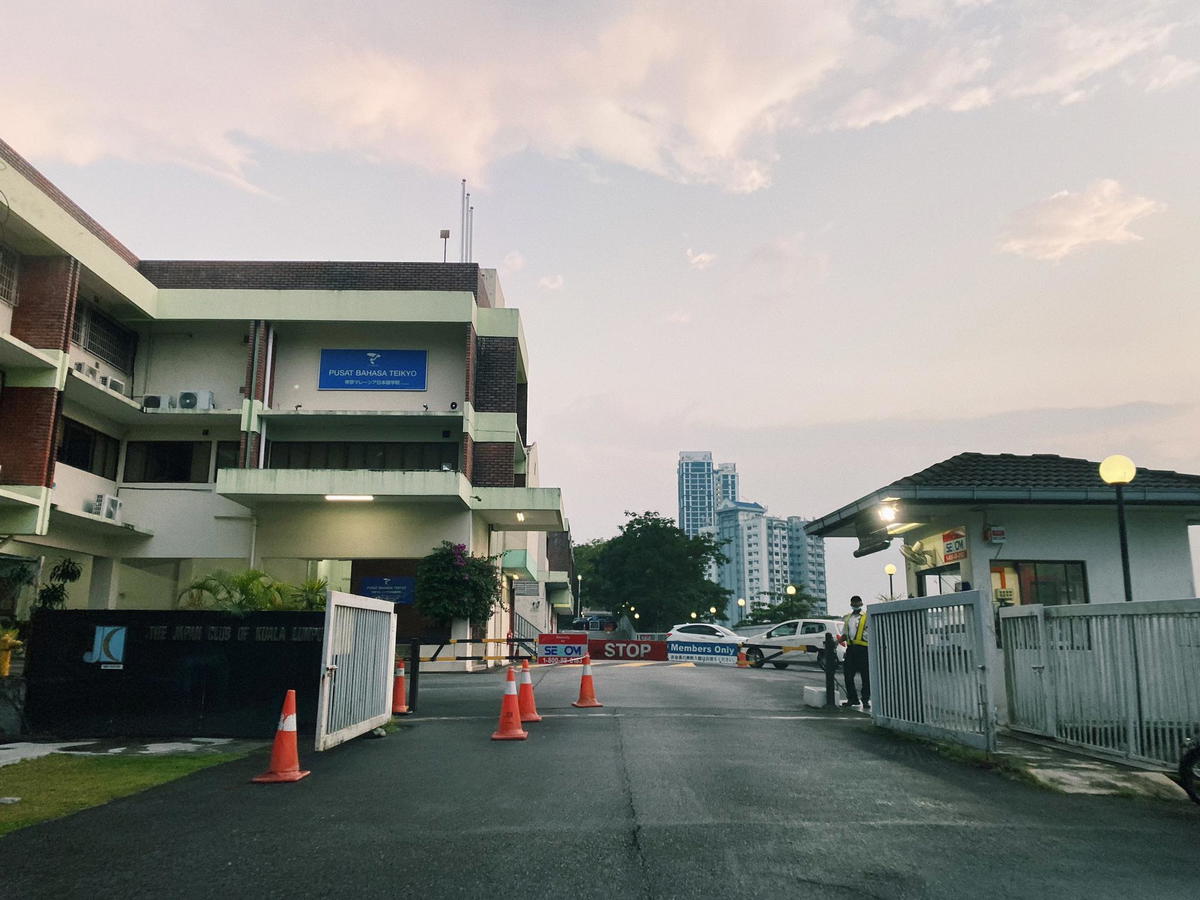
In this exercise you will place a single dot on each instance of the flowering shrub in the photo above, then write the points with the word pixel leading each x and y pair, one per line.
pixel 453 584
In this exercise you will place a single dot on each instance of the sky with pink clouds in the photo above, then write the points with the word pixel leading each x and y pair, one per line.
pixel 831 241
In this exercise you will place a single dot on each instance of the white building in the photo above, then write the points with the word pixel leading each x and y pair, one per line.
pixel 1029 529
pixel 159 420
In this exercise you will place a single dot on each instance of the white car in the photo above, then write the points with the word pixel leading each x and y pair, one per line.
pixel 702 631
pixel 803 638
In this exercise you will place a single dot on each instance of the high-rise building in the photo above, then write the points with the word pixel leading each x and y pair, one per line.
pixel 766 555
pixel 742 532
pixel 702 488
pixel 725 484
pixel 696 493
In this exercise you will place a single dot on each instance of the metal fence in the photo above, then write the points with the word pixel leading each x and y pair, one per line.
pixel 929 659
pixel 1121 678
pixel 356 675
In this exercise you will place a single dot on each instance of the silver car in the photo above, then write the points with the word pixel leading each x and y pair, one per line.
pixel 796 640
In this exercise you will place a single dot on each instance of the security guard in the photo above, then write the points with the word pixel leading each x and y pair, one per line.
pixel 854 636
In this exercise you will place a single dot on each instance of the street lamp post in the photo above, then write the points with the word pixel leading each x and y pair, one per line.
pixel 890 569
pixel 741 609
pixel 578 596
pixel 1118 471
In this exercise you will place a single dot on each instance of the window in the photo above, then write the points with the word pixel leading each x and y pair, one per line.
pixel 813 628
pixel 784 630
pixel 168 461
pixel 88 449
pixel 395 456
pixel 9 262
pixel 227 454
pixel 104 336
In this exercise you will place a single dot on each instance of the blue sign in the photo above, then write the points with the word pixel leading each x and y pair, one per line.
pixel 396 588
pixel 373 370
pixel 702 651
pixel 108 647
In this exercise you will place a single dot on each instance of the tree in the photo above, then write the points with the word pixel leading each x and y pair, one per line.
pixel 585 565
pixel 793 606
pixel 656 568
pixel 453 584
pixel 251 591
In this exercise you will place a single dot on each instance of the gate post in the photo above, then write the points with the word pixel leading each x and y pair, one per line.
pixel 830 670
pixel 414 659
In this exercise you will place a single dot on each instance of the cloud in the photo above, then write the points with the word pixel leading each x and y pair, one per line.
pixel 700 260
pixel 689 93
pixel 514 261
pixel 1169 72
pixel 678 317
pixel 1066 222
pixel 551 282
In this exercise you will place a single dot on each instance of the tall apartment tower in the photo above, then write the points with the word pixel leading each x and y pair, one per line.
pixel 696 491
pixel 806 556
pixel 725 484
pixel 766 555
pixel 742 531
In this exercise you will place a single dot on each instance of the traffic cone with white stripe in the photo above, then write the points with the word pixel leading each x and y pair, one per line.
pixel 525 700
pixel 510 728
pixel 285 761
pixel 742 662
pixel 587 689
pixel 399 692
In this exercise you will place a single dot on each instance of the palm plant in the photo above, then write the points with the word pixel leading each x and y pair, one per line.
pixel 246 591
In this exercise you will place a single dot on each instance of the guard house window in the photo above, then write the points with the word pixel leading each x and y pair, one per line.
pixel 88 449
pixel 1047 583
pixel 9 261
pixel 167 462
pixel 102 335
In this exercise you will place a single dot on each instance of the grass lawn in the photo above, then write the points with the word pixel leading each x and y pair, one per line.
pixel 60 784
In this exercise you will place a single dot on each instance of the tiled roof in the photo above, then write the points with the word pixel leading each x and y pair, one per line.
pixel 1041 471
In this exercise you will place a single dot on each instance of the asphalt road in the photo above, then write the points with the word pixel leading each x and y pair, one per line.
pixel 691 781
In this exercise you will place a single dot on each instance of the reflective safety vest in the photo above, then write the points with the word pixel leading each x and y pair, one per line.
pixel 860 635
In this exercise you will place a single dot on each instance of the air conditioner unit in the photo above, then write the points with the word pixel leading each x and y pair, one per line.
pixel 78 366
pixel 152 401
pixel 196 400
pixel 103 380
pixel 108 506
pixel 90 372
pixel 115 386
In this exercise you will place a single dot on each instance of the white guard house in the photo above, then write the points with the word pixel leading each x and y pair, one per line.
pixel 1029 529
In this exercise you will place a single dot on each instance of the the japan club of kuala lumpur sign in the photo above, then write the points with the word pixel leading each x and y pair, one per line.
pixel 373 370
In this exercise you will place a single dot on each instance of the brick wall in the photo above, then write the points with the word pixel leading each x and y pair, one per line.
pixel 312 276
pixel 558 551
pixel 468 458
pixel 27 438
pixel 259 331
pixel 523 412
pixel 471 340
pixel 496 374
pixel 493 464
pixel 46 301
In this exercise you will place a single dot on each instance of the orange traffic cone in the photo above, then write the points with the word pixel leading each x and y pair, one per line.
pixel 285 762
pixel 587 690
pixel 742 662
pixel 525 700
pixel 510 728
pixel 399 692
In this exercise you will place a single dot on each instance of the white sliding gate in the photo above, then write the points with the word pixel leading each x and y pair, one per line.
pixel 1121 678
pixel 929 667
pixel 356 674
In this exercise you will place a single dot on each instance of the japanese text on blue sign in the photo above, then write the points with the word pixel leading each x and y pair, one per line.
pixel 373 370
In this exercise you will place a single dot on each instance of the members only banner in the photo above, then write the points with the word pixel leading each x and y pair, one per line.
pixel 373 370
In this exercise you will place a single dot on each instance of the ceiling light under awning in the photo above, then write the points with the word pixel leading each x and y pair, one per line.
pixel 350 498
